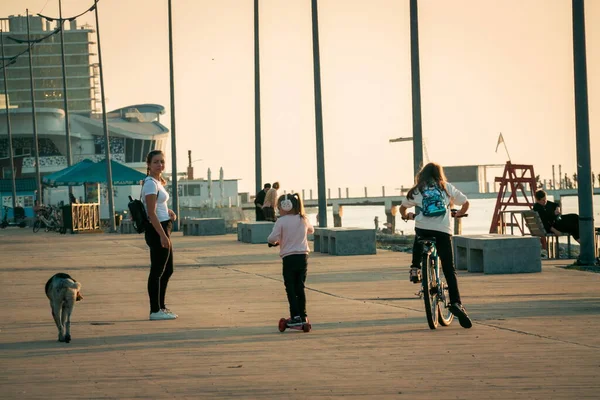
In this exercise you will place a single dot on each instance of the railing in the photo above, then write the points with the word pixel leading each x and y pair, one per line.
pixel 82 217
pixel 61 161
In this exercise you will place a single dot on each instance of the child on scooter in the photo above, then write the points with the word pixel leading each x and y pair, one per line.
pixel 290 233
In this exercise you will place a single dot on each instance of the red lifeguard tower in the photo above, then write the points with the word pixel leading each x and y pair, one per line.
pixel 517 189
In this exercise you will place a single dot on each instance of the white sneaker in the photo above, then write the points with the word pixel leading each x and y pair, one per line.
pixel 166 310
pixel 160 315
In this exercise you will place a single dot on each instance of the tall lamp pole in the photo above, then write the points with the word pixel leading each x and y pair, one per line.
pixel 582 128
pixel 174 190
pixel 257 140
pixel 319 117
pixel 8 128
pixel 65 94
pixel 36 146
pixel 416 88
pixel 109 179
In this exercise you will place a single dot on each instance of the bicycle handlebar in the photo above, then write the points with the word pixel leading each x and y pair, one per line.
pixel 453 212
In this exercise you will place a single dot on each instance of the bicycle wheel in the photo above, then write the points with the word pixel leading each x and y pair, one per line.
pixel 37 225
pixel 446 317
pixel 430 290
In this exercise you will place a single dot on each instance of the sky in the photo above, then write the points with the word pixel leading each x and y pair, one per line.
pixel 487 67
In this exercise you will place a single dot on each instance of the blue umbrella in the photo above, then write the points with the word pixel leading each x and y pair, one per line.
pixel 91 172
pixel 52 178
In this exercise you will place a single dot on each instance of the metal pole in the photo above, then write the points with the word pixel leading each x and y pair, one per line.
pixel 257 141
pixel 319 118
pixel 416 88
pixel 9 130
pixel 65 94
pixel 175 192
pixel 36 146
pixel 582 127
pixel 109 178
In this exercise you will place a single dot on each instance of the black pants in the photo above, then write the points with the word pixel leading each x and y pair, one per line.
pixel 568 223
pixel 161 266
pixel 294 276
pixel 260 215
pixel 443 243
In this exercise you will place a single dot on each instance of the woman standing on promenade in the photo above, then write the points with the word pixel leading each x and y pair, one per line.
pixel 157 235
pixel 433 194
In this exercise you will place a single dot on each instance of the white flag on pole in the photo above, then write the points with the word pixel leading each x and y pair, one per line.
pixel 500 140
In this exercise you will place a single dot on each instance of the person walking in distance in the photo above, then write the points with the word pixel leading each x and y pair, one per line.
pixel 290 233
pixel 259 200
pixel 157 235
pixel 433 194
pixel 269 204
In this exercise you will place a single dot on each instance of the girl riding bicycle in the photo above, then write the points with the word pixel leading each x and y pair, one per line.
pixel 433 194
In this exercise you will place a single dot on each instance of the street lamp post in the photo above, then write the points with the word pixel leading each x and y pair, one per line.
pixel 36 147
pixel 319 118
pixel 65 94
pixel 416 88
pixel 9 129
pixel 173 130
pixel 582 128
pixel 257 127
pixel 109 178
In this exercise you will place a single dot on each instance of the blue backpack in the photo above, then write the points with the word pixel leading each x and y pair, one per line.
pixel 434 201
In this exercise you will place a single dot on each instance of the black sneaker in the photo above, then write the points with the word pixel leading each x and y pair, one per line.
pixel 415 275
pixel 459 312
pixel 296 321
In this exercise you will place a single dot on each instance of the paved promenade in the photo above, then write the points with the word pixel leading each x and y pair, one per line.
pixel 535 336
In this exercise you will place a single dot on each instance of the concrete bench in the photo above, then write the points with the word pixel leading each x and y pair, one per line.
pixel 203 226
pixel 497 254
pixel 240 231
pixel 344 241
pixel 351 241
pixel 126 227
pixel 321 240
pixel 255 232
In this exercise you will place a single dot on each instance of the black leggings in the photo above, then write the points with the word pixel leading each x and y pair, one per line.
pixel 443 243
pixel 161 266
pixel 294 276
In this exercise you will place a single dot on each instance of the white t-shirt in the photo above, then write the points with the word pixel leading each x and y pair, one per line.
pixel 152 186
pixel 442 222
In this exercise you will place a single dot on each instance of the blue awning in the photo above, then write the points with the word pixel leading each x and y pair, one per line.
pixel 90 172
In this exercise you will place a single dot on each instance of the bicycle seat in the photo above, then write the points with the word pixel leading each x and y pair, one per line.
pixel 424 239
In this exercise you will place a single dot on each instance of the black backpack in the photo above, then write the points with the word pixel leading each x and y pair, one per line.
pixel 139 217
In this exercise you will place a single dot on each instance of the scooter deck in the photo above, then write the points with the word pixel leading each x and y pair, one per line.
pixel 283 325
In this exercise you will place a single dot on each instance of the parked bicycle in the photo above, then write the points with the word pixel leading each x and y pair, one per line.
pixel 19 221
pixel 434 287
pixel 48 218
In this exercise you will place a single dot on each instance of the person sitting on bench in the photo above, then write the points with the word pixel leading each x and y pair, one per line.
pixel 553 220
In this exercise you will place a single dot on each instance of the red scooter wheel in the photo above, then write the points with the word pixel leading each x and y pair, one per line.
pixel 282 324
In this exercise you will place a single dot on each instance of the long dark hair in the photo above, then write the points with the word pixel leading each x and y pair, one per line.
pixel 429 174
pixel 297 206
pixel 149 158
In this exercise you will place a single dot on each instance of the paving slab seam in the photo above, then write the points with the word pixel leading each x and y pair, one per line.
pixel 419 311
pixel 537 335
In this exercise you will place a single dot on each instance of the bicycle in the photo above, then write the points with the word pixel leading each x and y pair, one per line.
pixel 48 217
pixel 434 289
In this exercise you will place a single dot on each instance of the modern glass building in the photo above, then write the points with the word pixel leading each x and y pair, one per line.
pixel 133 130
